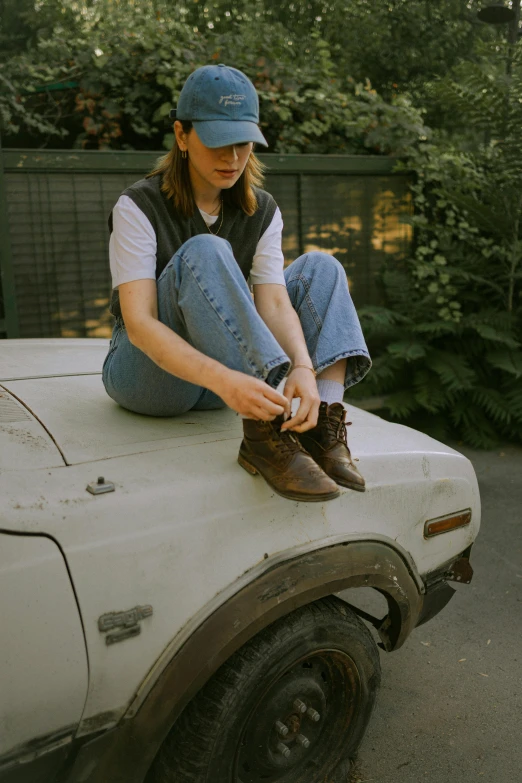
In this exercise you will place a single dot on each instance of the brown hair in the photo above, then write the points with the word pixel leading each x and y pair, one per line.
pixel 177 185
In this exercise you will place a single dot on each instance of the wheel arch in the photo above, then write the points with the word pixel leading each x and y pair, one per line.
pixel 277 592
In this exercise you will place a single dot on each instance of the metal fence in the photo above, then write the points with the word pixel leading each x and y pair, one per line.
pixel 55 277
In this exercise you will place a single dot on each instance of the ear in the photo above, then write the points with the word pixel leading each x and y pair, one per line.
pixel 181 136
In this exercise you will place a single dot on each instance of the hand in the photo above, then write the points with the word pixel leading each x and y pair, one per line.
pixel 301 383
pixel 251 397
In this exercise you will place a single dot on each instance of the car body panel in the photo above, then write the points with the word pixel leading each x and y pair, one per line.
pixel 42 654
pixel 88 426
pixel 50 357
pixel 270 595
pixel 186 528
pixel 185 525
pixel 24 442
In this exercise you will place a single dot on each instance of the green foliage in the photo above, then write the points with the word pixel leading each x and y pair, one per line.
pixel 306 106
pixel 124 60
pixel 398 45
pixel 453 321
pixel 129 61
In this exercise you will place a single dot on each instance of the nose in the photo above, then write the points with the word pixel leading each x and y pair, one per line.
pixel 230 153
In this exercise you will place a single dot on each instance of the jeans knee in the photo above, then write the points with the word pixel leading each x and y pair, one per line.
pixel 197 251
pixel 319 263
pixel 202 243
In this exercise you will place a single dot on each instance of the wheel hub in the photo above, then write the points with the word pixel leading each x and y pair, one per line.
pixel 290 726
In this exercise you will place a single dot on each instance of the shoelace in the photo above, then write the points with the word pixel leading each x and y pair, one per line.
pixel 287 441
pixel 337 427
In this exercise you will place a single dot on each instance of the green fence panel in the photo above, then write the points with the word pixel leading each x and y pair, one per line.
pixel 8 309
pixel 58 204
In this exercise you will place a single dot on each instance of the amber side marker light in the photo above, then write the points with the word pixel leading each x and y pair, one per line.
pixel 434 527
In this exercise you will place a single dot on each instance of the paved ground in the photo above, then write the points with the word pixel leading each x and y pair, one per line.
pixel 439 718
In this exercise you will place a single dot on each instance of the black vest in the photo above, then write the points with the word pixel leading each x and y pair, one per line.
pixel 173 230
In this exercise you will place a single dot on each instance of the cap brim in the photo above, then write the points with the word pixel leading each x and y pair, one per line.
pixel 222 133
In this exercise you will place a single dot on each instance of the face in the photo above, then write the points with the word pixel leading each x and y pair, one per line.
pixel 220 167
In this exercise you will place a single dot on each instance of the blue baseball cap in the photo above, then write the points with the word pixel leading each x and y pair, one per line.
pixel 222 104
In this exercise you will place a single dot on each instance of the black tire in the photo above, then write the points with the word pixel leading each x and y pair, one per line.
pixel 321 654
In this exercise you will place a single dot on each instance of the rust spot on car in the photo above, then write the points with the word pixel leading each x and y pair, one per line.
pixel 38 745
pixel 276 590
pixel 103 720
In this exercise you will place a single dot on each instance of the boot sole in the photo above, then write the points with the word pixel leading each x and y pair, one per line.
pixel 356 487
pixel 288 495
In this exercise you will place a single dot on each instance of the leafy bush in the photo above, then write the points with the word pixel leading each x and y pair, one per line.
pixel 306 106
pixel 122 64
pixel 448 344
pixel 118 63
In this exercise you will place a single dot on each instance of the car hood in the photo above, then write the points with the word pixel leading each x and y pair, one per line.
pixel 60 413
pixel 59 431
pixel 50 358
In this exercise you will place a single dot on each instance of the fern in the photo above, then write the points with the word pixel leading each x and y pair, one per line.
pixel 401 404
pixel 437 328
pixel 452 369
pixel 407 349
pixel 488 332
pixel 447 344
pixel 493 403
pixel 429 392
pixel 513 397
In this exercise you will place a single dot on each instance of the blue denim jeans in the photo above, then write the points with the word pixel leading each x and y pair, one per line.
pixel 204 298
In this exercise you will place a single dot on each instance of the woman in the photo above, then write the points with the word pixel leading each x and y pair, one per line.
pixel 188 334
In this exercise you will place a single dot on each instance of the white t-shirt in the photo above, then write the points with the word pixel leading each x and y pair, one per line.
pixel 132 247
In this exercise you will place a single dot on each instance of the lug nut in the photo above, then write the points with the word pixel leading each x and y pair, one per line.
pixel 300 706
pixel 282 748
pixel 302 740
pixel 281 728
pixel 313 714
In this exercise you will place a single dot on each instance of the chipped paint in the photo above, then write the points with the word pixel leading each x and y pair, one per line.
pixel 102 721
pixel 38 746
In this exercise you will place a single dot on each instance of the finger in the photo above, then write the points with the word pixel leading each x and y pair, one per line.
pixel 262 415
pixel 289 390
pixel 289 394
pixel 312 418
pixel 299 417
pixel 274 395
pixel 270 408
pixel 308 424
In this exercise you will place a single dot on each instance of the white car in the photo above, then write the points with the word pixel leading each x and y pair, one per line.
pixel 166 617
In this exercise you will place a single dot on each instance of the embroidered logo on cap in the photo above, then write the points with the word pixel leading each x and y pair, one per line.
pixel 232 100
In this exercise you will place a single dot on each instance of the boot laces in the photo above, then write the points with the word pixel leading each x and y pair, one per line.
pixel 287 441
pixel 337 427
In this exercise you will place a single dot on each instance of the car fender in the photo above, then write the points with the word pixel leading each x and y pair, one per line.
pixel 282 588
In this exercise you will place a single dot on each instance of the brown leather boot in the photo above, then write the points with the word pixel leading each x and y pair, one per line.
pixel 283 463
pixel 326 442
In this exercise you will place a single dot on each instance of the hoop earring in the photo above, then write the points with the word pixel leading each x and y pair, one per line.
pixel 184 154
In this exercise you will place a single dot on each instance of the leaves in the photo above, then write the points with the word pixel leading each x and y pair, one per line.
pixel 509 361
pixel 401 404
pixel 407 349
pixel 452 369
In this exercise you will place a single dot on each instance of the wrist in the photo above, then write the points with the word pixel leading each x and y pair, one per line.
pixel 217 375
pixel 300 358
pixel 304 366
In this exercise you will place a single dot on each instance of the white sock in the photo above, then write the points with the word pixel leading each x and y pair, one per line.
pixel 330 391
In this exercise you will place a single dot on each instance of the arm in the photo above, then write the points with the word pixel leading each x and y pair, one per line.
pixel 273 305
pixel 246 395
